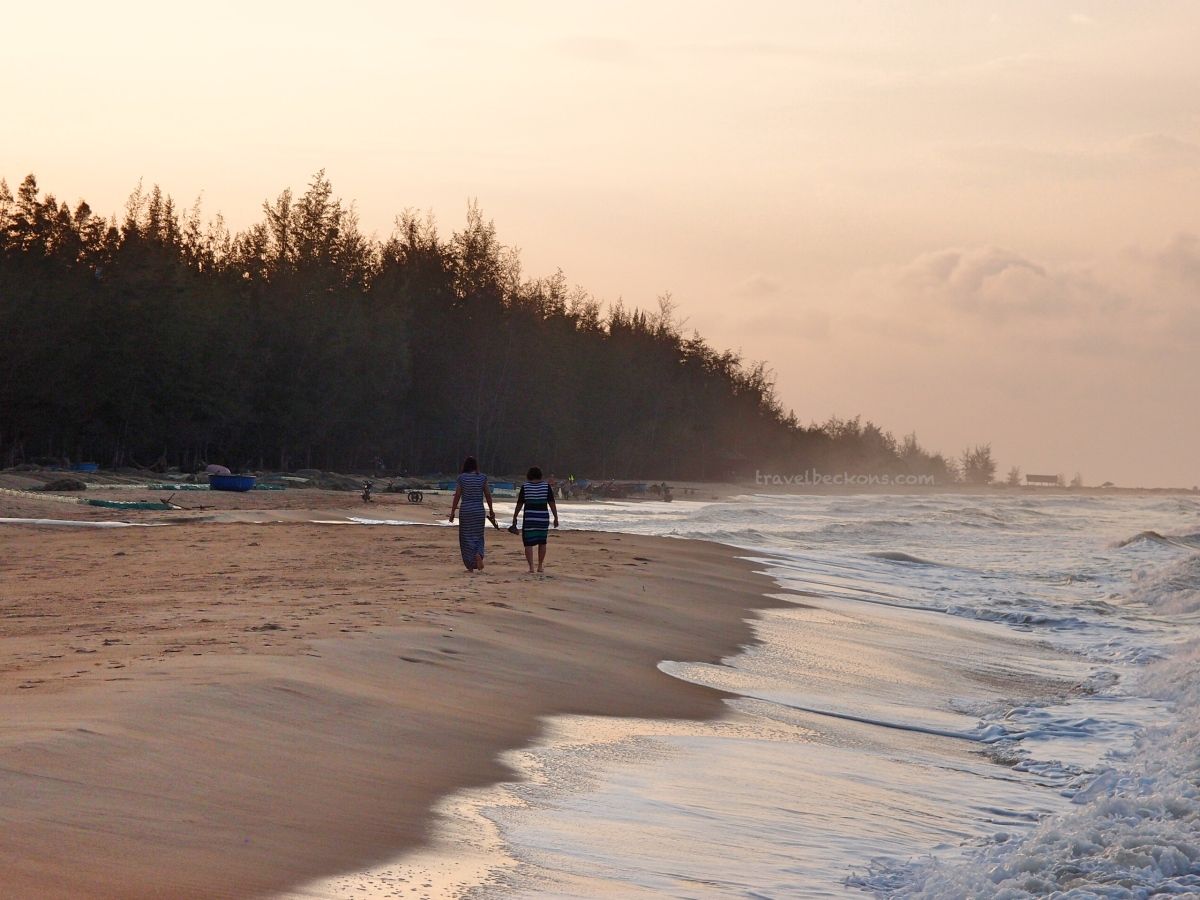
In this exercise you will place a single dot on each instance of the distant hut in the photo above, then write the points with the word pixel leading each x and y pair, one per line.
pixel 1043 479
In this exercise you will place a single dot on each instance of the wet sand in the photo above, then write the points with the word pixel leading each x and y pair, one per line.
pixel 233 708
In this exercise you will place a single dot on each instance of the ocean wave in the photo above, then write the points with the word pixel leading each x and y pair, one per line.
pixel 984 733
pixel 1067 577
pixel 1170 590
pixel 1134 831
pixel 1177 505
pixel 975 517
pixel 1143 537
pixel 897 556
pixel 977 512
pixel 1060 768
pixel 1017 617
pixel 1153 537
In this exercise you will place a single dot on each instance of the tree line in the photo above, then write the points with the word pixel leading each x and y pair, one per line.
pixel 301 342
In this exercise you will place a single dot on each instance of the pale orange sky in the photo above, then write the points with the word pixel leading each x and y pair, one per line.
pixel 975 220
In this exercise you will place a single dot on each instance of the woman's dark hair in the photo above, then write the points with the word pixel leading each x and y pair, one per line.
pixel 469 465
pixel 534 474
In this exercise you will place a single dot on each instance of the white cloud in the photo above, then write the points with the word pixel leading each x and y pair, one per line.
pixel 1139 306
pixel 984 279
pixel 1085 366
pixel 758 285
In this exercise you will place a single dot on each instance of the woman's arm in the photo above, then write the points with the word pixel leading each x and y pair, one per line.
pixel 554 509
pixel 454 502
pixel 520 503
pixel 487 495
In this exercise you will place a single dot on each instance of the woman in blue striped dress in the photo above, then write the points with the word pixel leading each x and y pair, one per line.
pixel 537 498
pixel 472 491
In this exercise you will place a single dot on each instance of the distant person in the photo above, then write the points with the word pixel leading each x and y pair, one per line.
pixel 537 498
pixel 472 491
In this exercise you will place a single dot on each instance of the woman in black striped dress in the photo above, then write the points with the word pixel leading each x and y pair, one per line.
pixel 537 499
pixel 472 491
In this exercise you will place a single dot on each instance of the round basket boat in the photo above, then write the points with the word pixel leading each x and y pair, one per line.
pixel 231 482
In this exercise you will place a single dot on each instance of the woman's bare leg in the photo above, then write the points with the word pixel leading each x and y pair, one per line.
pixel 529 558
pixel 541 558
pixel 478 562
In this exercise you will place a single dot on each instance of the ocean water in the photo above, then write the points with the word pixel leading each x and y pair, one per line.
pixel 985 696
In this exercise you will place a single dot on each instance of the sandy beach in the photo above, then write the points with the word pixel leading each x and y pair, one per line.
pixel 851 346
pixel 242 701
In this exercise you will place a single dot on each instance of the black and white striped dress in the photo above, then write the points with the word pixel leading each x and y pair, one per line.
pixel 535 526
pixel 471 519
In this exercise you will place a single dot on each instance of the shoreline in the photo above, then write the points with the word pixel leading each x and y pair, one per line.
pixel 20 494
pixel 240 709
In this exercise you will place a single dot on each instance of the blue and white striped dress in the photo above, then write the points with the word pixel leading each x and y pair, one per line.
pixel 535 526
pixel 471 520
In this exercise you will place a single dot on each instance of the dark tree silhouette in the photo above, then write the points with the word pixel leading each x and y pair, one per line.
pixel 302 342
pixel 978 467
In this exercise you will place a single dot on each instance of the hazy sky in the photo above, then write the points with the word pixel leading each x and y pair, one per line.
pixel 975 220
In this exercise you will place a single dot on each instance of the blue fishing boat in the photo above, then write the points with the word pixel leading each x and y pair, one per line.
pixel 231 482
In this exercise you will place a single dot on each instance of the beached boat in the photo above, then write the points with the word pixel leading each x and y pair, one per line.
pixel 130 504
pixel 231 482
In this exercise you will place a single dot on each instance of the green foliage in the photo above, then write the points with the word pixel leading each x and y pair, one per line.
pixel 301 342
